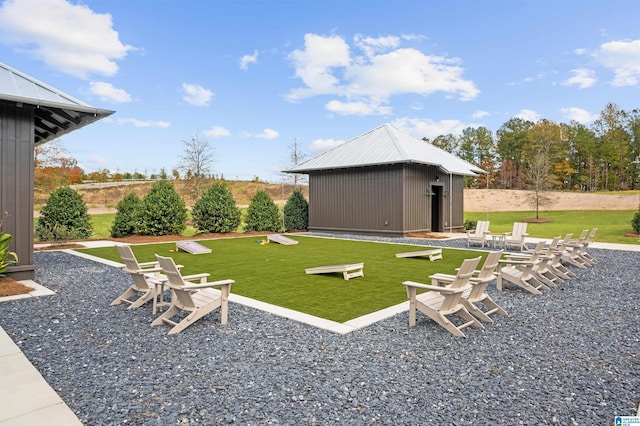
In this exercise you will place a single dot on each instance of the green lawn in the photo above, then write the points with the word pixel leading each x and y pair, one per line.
pixel 274 273
pixel 611 224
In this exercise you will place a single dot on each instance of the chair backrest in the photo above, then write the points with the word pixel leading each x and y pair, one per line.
pixel 583 235
pixel 132 266
pixel 461 280
pixel 592 235
pixel 539 249
pixel 130 262
pixel 519 229
pixel 482 227
pixel 175 281
pixel 490 265
pixel 552 245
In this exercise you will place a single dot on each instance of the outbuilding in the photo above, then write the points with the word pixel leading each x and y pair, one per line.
pixel 31 113
pixel 386 182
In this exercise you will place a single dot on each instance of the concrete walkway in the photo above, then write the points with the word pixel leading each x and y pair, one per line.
pixel 26 399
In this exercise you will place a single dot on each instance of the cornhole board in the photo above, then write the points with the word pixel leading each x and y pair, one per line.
pixel 192 247
pixel 434 254
pixel 281 239
pixel 349 271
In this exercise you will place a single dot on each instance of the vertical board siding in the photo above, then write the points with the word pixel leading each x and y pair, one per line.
pixel 367 199
pixel 385 199
pixel 16 183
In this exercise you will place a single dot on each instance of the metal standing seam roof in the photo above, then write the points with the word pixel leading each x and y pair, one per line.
pixel 386 145
pixel 56 113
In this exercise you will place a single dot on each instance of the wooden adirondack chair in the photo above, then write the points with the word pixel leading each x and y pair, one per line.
pixel 198 299
pixel 585 243
pixel 515 238
pixel 479 235
pixel 440 302
pixel 542 268
pixel 144 275
pixel 521 274
pixel 478 291
pixel 570 250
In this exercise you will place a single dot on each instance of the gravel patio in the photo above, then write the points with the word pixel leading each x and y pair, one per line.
pixel 570 356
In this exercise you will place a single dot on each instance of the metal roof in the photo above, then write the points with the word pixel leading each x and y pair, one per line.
pixel 386 145
pixel 56 113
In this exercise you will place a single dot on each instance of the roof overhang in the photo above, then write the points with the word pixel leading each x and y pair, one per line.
pixel 55 113
pixel 439 166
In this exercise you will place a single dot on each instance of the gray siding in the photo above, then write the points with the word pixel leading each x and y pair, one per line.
pixel 364 200
pixel 386 200
pixel 16 184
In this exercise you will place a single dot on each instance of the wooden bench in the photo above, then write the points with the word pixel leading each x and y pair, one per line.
pixel 433 254
pixel 352 270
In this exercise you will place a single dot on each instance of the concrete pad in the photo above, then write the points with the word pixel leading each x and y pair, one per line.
pixel 26 398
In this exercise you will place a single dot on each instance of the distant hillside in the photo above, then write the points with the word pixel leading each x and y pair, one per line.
pixel 108 195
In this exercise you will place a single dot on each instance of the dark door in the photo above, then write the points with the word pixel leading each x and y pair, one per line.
pixel 436 209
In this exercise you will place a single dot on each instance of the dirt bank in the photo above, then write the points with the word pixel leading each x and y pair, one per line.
pixel 480 200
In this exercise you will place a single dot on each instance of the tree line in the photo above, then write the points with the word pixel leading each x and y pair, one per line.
pixel 554 156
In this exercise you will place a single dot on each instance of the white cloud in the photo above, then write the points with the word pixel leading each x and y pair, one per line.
pixel 623 57
pixel 578 114
pixel 529 115
pixel 327 66
pixel 582 78
pixel 196 95
pixel 141 123
pixel 479 114
pixel 248 59
pixel 268 134
pixel 68 37
pixel 428 128
pixel 324 144
pixel 580 51
pixel 357 108
pixel 106 92
pixel 216 132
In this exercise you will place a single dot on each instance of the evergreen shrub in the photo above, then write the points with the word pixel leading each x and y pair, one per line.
pixel 216 210
pixel 127 216
pixel 262 214
pixel 64 217
pixel 163 212
pixel 296 212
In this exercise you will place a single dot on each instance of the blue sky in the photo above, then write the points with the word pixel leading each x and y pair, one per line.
pixel 253 76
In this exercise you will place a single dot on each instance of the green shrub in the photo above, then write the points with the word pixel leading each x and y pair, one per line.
pixel 470 224
pixel 262 214
pixel 216 210
pixel 64 217
pixel 296 212
pixel 127 216
pixel 163 212
pixel 635 222
pixel 7 257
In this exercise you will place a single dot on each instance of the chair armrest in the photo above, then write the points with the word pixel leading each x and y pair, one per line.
pixel 146 264
pixel 220 283
pixel 434 287
pixel 195 277
pixel 516 262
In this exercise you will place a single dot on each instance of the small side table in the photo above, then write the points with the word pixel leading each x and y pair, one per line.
pixel 498 240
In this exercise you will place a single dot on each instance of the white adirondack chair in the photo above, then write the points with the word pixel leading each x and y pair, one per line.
pixel 197 299
pixel 478 291
pixel 515 238
pixel 440 302
pixel 479 235
pixel 144 276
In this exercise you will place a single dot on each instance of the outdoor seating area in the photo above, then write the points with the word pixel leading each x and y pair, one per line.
pixel 192 293
pixel 533 270
pixel 260 347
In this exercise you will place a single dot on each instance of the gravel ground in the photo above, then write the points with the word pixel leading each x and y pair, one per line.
pixel 570 356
